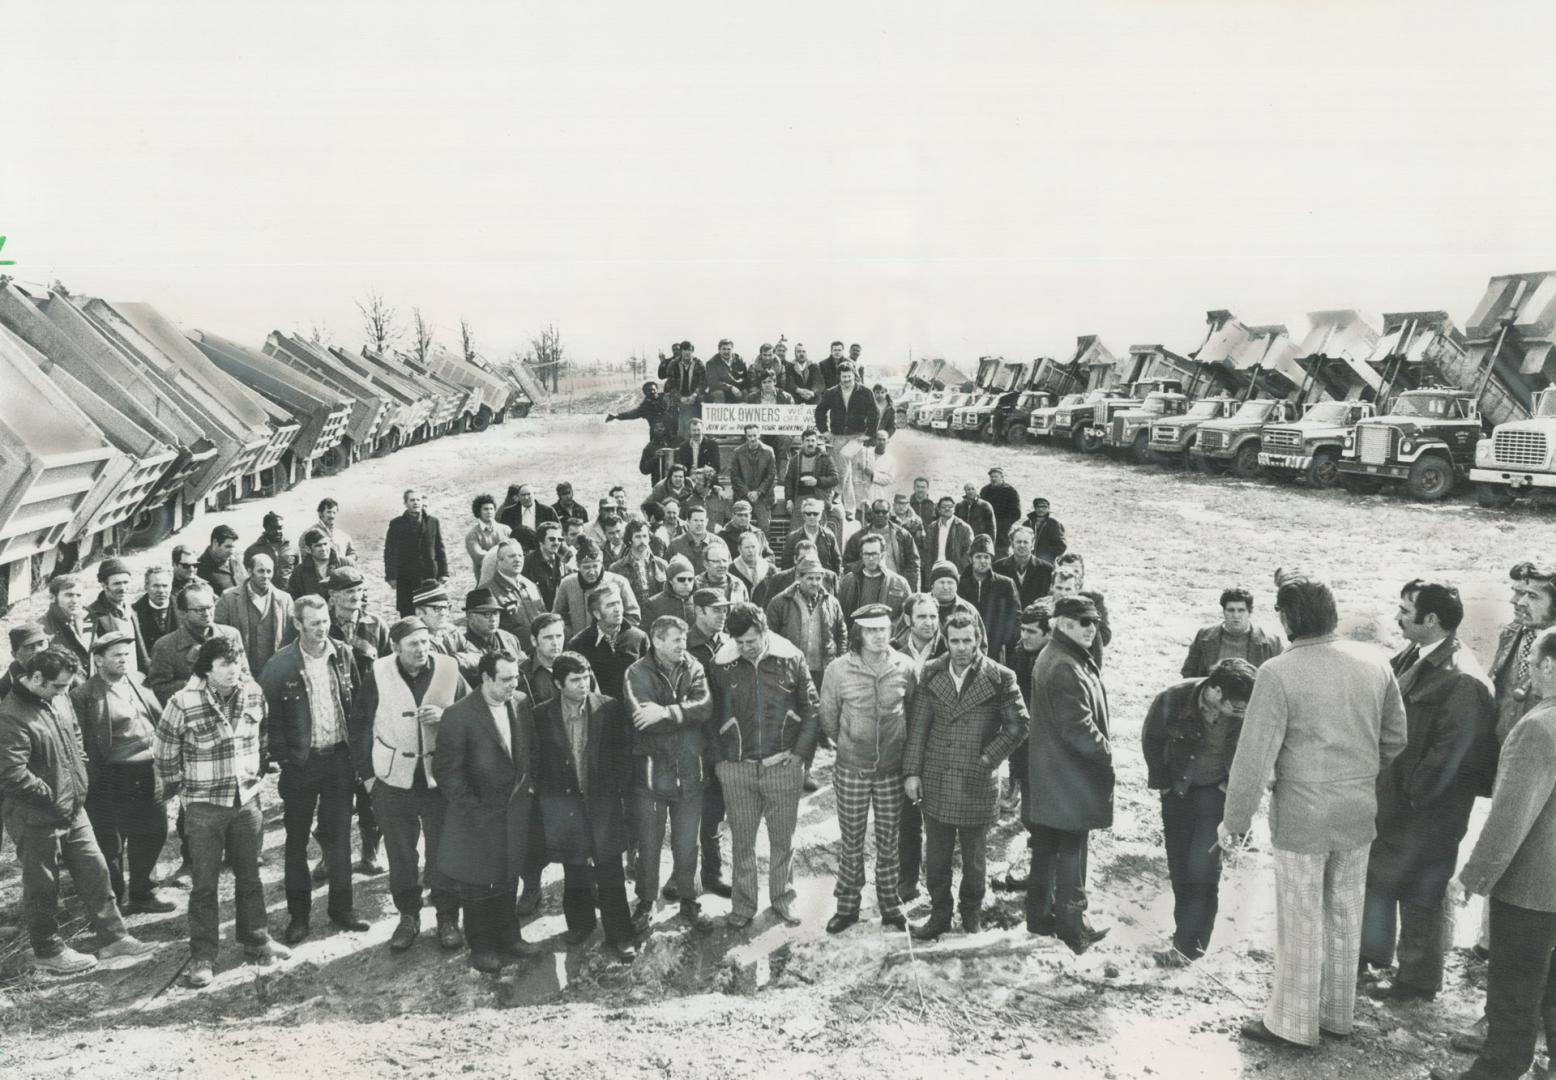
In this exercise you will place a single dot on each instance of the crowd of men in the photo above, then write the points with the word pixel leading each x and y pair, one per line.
pixel 666 667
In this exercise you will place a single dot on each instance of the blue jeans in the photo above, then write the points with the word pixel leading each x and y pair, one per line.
pixel 39 850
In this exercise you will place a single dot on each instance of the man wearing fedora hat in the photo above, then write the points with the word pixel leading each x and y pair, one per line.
pixel 864 696
pixel 481 635
pixel 432 608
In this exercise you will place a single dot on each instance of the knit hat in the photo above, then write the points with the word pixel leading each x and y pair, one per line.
pixel 430 591
pixel 679 565
pixel 943 569
pixel 983 544
pixel 109 567
pixel 405 628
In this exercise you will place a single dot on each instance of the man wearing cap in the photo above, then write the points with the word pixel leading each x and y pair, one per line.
pixel 764 727
pixel 258 611
pixel 683 375
pixel 724 374
pixel 609 644
pixel 1032 577
pixel 153 610
pixel 655 410
pixel 394 733
pixel 66 623
pixel 309 686
pixel 965 718
pixel 111 611
pixel 780 580
pixel 1070 774
pixel 118 720
pixel 814 529
pixel 481 635
pixel 219 565
pixel 368 639
pixel 676 597
pixel 904 516
pixel 432 608
pixel 545 565
pixel 715 574
pixel 1006 504
pixel 947 539
pixel 809 617
pixel 43 781
pixel 27 641
pixel 643 570
pixel 740 523
pixel 899 552
pixel 572 595
pixel 994 595
pixel 707 493
pixel 485 767
pixel 870 581
pixel 666 696
pixel 1048 542
pixel 753 473
pixel 566 506
pixel 413 551
pixel 273 542
pixel 944 583
pixel 319 560
pixel 864 696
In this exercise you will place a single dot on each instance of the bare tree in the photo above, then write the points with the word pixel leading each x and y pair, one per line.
pixel 421 336
pixel 317 331
pixel 466 340
pixel 380 321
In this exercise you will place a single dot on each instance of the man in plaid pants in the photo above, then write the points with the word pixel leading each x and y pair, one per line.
pixel 864 711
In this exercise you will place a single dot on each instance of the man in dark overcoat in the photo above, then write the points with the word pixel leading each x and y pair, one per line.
pixel 965 718
pixel 485 765
pixel 413 552
pixel 1069 774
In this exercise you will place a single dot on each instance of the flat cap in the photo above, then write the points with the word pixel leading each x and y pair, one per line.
pixel 110 639
pixel 873 615
pixel 109 567
pixel 1075 607
pixel 344 577
pixel 405 628
pixel 943 569
pixel 807 564
pixel 709 598
pixel 30 634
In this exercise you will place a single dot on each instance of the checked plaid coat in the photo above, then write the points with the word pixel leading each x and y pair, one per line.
pixel 948 732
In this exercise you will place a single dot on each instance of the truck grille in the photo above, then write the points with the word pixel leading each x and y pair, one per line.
pixel 1212 440
pixel 1280 441
pixel 1164 434
pixel 1520 449
pixel 1373 443
pixel 1118 430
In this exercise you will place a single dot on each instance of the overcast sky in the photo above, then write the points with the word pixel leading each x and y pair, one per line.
pixel 951 179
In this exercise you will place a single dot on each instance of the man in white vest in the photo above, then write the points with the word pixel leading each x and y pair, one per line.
pixel 395 731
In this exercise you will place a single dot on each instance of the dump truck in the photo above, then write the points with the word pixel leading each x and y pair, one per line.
pixel 1427 440
pixel 372 407
pixel 1130 396
pixel 1127 428
pixel 1040 424
pixel 1003 386
pixel 1309 449
pixel 1015 427
pixel 1335 357
pixel 1249 361
pixel 1517 461
pixel 1072 423
pixel 1235 441
pixel 1172 438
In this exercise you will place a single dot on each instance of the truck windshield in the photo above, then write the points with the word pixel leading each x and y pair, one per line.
pixel 1156 405
pixel 1071 399
pixel 1253 410
pixel 1425 405
pixel 1329 412
pixel 1545 404
pixel 1204 410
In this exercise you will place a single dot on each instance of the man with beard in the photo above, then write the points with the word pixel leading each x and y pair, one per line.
pixel 644 571
pixel 566 506
pixel 572 594
pixel 413 552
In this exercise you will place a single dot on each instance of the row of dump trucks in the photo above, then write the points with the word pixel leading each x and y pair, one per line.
pixel 117 426
pixel 1414 402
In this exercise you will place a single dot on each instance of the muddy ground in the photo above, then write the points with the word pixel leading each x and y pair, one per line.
pixel 779 1001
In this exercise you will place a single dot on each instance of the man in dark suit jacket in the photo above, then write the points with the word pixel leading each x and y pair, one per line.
pixel 524 516
pixel 958 539
pixel 994 595
pixel 695 451
pixel 976 511
pixel 583 772
pixel 964 719
pixel 413 552
pixel 485 767
pixel 813 528
pixel 1048 542
pixel 1033 578
pixel 544 564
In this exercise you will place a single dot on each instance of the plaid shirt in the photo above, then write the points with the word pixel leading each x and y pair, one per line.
pixel 211 751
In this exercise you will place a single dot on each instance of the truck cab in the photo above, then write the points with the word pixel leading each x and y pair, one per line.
pixel 1428 440
pixel 1517 460
pixel 1072 421
pixel 1041 422
pixel 1127 429
pixel 937 417
pixel 1172 438
pixel 970 418
pixel 1310 448
pixel 1015 427
pixel 1234 442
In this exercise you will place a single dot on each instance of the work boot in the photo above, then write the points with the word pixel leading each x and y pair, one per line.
pixel 297 929
pixel 126 946
pixel 671 893
pixel 201 974
pixel 642 916
pixel 713 883
pixel 368 866
pixel 149 904
pixel 350 921
pixel 183 877
pixel 486 961
pixel 972 922
pixel 894 922
pixel 520 949
pixel 938 923
pixel 449 937
pixel 406 933
pixel 321 871
pixel 840 922
pixel 65 962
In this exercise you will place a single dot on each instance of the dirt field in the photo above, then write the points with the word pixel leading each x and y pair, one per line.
pixel 793 1002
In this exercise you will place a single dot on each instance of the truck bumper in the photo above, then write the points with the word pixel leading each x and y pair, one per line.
pixel 1384 472
pixel 1296 462
pixel 1513 480
pixel 1212 455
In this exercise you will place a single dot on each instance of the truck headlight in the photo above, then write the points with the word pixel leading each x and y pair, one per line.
pixel 1483 452
pixel 1405 446
pixel 1350 440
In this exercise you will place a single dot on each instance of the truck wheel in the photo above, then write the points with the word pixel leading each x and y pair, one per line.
pixel 1492 497
pixel 1430 479
pixel 1140 449
pixel 1086 444
pixel 1324 470
pixel 1017 435
pixel 1245 463
pixel 151 526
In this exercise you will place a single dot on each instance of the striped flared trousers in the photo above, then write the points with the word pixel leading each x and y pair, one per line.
pixel 856 792
pixel 1318 913
pixel 753 792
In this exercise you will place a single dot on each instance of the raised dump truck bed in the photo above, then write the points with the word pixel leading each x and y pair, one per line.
pixel 371 407
pixel 1334 355
pixel 1250 361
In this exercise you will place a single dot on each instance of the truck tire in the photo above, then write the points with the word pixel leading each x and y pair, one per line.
pixel 150 527
pixel 1431 478
pixel 1140 449
pixel 1324 470
pixel 1086 444
pixel 1245 463
pixel 1017 434
pixel 1492 497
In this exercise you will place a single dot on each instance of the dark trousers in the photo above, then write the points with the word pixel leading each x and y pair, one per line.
pixel 940 842
pixel 1422 934
pixel 405 591
pixel 322 784
pixel 910 844
pixel 129 823
pixel 1056 887
pixel 1520 990
pixel 218 835
pixel 603 888
pixel 367 824
pixel 1194 863
pixel 649 816
pixel 408 816
pixel 490 921
pixel 708 828
pixel 40 849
